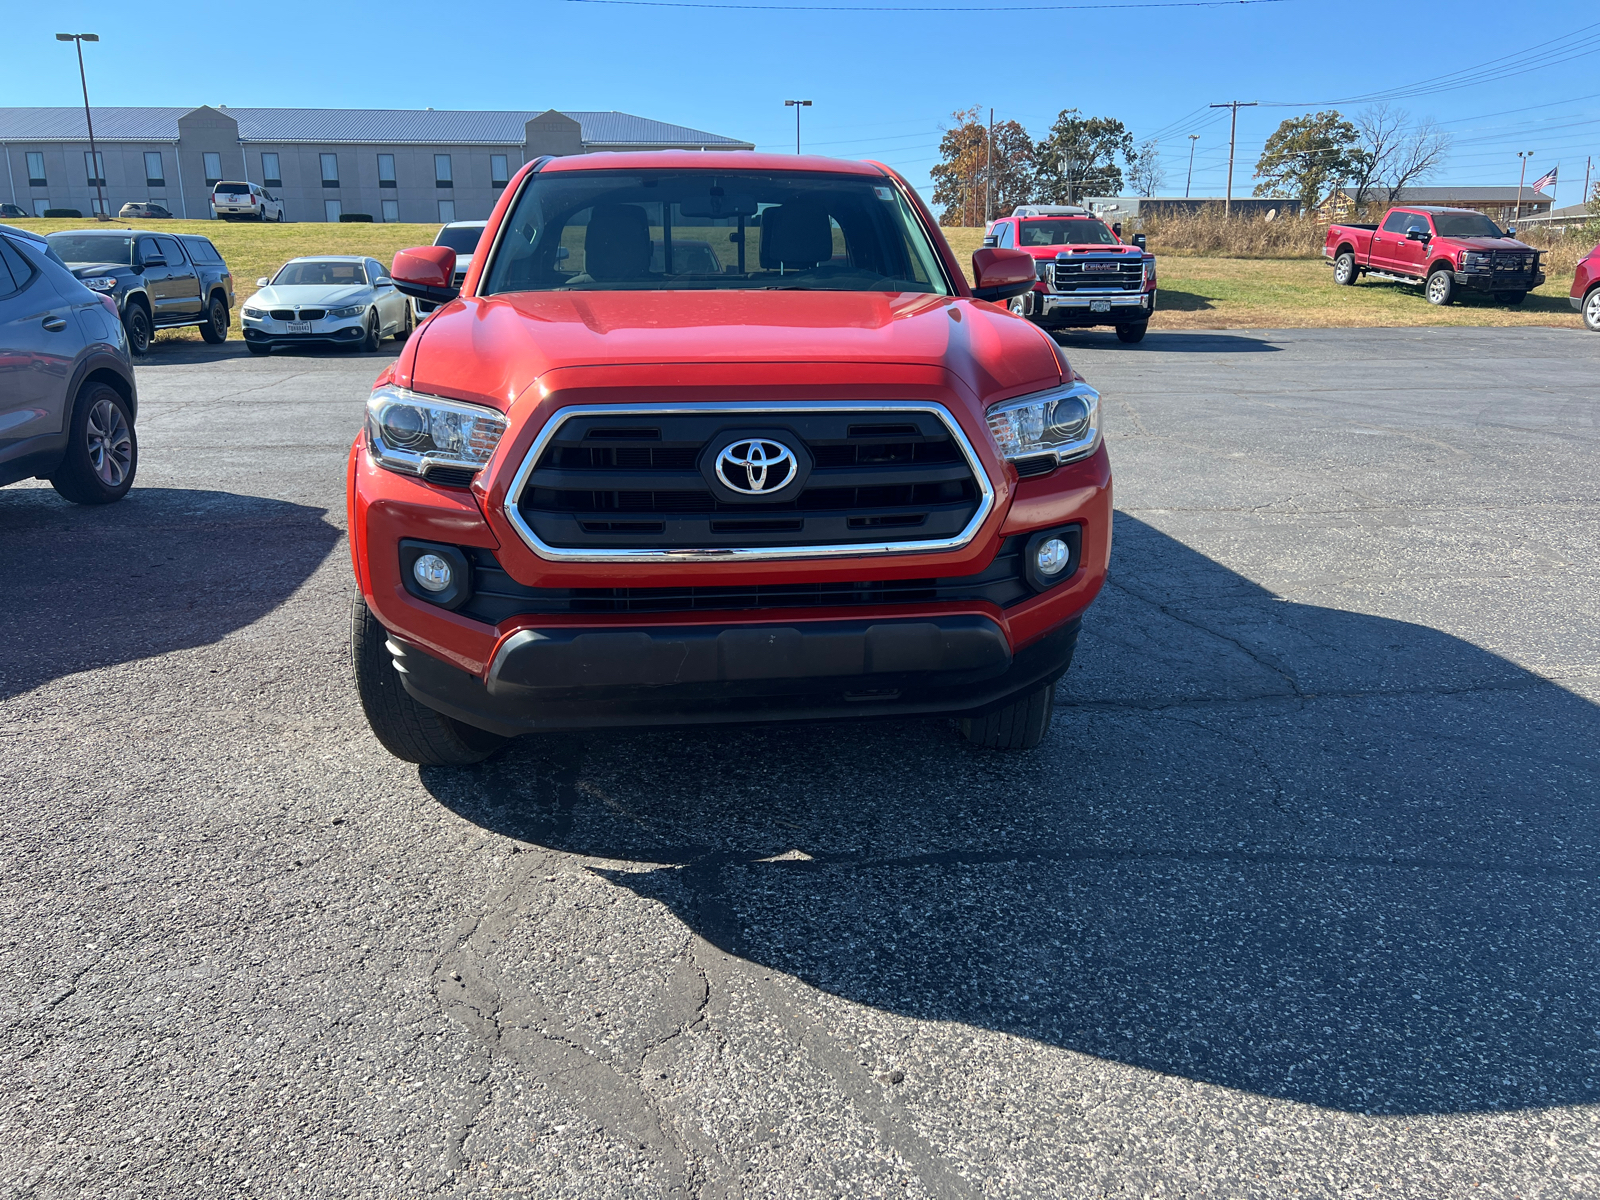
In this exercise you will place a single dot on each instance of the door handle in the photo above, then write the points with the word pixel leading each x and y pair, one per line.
pixel 55 324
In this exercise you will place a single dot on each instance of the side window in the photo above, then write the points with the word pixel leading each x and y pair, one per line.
pixel 1418 221
pixel 15 271
pixel 1396 222
pixel 1006 233
pixel 147 249
pixel 171 251
pixel 375 271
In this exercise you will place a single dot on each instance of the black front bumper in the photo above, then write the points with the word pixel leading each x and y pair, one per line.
pixel 1493 281
pixel 715 674
pixel 350 335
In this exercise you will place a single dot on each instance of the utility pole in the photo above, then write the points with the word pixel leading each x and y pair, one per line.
pixel 1233 129
pixel 94 153
pixel 797 105
pixel 988 171
pixel 1588 164
pixel 1524 155
pixel 1193 138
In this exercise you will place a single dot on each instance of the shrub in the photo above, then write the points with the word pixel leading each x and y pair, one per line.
pixel 63 212
pixel 358 218
pixel 1209 232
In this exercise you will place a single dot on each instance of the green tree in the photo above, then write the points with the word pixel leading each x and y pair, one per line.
pixel 972 178
pixel 1308 157
pixel 1079 158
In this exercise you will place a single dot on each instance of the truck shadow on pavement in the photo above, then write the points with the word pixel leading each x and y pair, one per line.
pixel 162 569
pixel 1303 852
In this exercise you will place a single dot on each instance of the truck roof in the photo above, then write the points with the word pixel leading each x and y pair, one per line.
pixel 709 160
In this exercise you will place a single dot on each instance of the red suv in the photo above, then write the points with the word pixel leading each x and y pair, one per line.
pixel 719 437
pixel 1586 289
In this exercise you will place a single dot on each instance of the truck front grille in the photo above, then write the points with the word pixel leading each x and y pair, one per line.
pixel 497 597
pixel 634 479
pixel 1086 272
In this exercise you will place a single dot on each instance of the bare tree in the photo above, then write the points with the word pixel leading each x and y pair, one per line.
pixel 1380 128
pixel 1418 154
pixel 1145 173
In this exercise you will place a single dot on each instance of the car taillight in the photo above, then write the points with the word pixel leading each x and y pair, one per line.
pixel 110 304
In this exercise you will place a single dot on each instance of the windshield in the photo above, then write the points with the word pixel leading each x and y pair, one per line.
pixel 320 272
pixel 231 187
pixel 92 248
pixel 1464 224
pixel 1075 231
pixel 656 230
pixel 463 240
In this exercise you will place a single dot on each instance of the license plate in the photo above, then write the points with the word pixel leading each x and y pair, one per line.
pixel 1100 306
pixel 299 326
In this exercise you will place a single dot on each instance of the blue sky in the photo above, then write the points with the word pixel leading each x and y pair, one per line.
pixel 882 82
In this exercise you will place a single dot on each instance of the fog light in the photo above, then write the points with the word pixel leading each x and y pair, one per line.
pixel 434 573
pixel 1051 556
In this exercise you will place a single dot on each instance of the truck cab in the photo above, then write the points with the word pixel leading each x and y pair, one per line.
pixel 1444 249
pixel 1087 275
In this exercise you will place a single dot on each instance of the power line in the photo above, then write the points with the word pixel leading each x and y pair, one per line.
pixel 973 8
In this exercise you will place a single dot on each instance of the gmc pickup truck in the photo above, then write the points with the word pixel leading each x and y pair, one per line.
pixel 1086 274
pixel 1444 249
pixel 825 479
pixel 156 280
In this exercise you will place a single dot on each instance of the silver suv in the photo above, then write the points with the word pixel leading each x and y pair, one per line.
pixel 67 395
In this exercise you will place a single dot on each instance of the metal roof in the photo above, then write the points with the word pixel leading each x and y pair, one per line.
pixel 1443 195
pixel 341 126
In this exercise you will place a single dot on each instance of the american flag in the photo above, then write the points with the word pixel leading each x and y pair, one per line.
pixel 1545 181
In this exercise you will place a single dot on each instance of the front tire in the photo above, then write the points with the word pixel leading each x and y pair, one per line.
pixel 1132 334
pixel 1511 298
pixel 1591 310
pixel 136 323
pixel 215 327
pixel 1344 269
pixel 102 451
pixel 1020 725
pixel 406 325
pixel 410 731
pixel 374 333
pixel 1440 288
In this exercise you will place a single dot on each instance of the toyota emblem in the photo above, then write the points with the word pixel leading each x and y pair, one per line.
pixel 756 466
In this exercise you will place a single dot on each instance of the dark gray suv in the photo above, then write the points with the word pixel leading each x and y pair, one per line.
pixel 67 395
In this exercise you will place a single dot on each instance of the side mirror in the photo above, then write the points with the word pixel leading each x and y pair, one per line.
pixel 156 261
pixel 1116 228
pixel 263 282
pixel 1002 274
pixel 1139 240
pixel 424 272
pixel 1418 235
pixel 1511 231
pixel 990 241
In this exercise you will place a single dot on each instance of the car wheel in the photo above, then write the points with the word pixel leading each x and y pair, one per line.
pixel 406 325
pixel 102 451
pixel 410 731
pixel 1132 333
pixel 1511 298
pixel 215 327
pixel 136 321
pixel 1020 725
pixel 1441 288
pixel 1591 310
pixel 373 338
pixel 1344 269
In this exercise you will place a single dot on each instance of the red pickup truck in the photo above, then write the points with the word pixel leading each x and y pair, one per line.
pixel 1087 275
pixel 1444 249
pixel 719 437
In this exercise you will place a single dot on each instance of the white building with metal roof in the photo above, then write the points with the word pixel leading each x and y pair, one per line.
pixel 392 164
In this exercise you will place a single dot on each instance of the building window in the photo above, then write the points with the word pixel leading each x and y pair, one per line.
pixel 498 175
pixel 330 170
pixel 386 171
pixel 391 211
pixel 36 170
pixel 441 171
pixel 94 164
pixel 40 207
pixel 447 211
pixel 271 175
pixel 331 209
pixel 97 205
pixel 153 174
pixel 213 163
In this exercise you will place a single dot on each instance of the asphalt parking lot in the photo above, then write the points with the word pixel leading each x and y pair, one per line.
pixel 1299 897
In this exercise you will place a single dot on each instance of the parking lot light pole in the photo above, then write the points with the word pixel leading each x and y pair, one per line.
pixel 797 105
pixel 1522 175
pixel 94 154
pixel 1193 138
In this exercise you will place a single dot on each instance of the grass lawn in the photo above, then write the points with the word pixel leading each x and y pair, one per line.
pixel 1284 293
pixel 253 250
pixel 1196 292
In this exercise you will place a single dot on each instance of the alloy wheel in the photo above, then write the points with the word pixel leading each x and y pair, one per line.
pixel 1437 287
pixel 110 447
pixel 1591 310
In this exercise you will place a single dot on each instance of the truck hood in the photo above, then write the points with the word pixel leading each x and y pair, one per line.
pixel 1048 253
pixel 491 349
pixel 1485 243
pixel 88 270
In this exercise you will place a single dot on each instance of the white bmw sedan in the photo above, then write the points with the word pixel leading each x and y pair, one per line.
pixel 329 300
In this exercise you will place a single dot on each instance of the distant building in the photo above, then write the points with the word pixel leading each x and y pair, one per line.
pixel 1499 203
pixel 394 164
pixel 1136 208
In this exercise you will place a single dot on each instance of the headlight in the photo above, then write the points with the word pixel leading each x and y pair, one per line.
pixel 349 310
pixel 1474 258
pixel 254 314
pixel 413 433
pixel 100 283
pixel 1064 421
